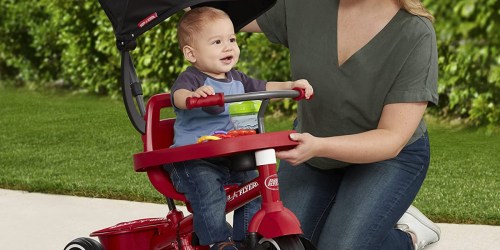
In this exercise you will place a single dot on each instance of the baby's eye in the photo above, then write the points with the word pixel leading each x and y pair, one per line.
pixel 217 42
pixel 232 40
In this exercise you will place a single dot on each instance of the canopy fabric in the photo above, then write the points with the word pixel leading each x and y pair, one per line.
pixel 131 18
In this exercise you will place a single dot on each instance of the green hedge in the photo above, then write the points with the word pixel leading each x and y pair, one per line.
pixel 468 33
pixel 71 44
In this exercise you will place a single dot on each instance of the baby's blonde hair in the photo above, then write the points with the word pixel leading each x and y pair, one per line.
pixel 415 7
pixel 193 21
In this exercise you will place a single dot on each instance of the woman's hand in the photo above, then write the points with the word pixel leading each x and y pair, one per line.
pixel 303 152
pixel 304 84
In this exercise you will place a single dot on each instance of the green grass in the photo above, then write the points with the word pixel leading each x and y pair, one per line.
pixel 83 145
pixel 463 182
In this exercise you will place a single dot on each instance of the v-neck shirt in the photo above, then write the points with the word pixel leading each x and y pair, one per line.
pixel 398 65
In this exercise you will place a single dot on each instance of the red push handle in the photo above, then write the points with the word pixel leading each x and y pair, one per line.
pixel 302 94
pixel 212 100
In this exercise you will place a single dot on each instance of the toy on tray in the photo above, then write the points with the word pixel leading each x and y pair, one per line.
pixel 219 134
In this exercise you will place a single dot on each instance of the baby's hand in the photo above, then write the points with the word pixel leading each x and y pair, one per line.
pixel 203 91
pixel 304 84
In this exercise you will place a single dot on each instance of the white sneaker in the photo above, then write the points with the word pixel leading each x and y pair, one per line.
pixel 425 231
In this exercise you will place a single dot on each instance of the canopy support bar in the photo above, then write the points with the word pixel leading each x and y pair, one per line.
pixel 131 89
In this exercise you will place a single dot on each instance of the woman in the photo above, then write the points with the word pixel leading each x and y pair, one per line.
pixel 363 149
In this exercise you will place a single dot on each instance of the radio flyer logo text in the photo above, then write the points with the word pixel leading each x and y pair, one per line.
pixel 271 182
pixel 147 20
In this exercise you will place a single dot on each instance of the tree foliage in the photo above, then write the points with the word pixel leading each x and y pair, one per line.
pixel 71 43
pixel 468 33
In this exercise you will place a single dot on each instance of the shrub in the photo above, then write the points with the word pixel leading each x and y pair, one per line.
pixel 469 57
pixel 72 43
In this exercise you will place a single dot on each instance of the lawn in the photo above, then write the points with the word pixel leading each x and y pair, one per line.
pixel 83 145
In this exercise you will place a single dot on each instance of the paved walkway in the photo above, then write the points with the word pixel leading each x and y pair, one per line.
pixel 49 222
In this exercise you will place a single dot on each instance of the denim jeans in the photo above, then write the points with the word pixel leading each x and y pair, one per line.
pixel 202 182
pixel 356 207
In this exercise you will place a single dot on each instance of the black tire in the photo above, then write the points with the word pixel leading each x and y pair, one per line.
pixel 289 242
pixel 84 244
pixel 307 244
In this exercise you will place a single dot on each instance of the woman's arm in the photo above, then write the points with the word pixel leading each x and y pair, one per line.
pixel 252 27
pixel 396 126
pixel 302 83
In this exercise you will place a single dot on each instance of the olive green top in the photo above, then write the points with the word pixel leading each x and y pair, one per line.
pixel 399 65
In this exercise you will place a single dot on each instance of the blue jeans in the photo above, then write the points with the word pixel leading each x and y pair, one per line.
pixel 202 182
pixel 356 207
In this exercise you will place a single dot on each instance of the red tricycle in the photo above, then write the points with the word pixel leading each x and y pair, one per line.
pixel 273 226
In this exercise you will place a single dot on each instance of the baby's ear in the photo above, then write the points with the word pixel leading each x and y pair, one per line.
pixel 188 52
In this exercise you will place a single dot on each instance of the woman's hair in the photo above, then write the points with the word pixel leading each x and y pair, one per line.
pixel 194 21
pixel 415 7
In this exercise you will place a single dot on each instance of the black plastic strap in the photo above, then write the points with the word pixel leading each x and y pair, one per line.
pixel 136 88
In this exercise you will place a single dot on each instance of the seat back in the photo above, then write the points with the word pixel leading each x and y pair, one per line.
pixel 159 135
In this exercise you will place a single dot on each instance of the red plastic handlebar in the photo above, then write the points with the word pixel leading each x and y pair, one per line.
pixel 302 94
pixel 213 100
pixel 219 100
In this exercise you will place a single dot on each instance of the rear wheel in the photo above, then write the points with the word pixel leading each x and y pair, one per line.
pixel 289 242
pixel 84 244
pixel 307 244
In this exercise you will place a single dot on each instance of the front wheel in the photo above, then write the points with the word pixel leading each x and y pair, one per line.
pixel 84 244
pixel 289 242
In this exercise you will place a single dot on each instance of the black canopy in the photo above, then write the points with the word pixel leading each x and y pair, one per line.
pixel 131 18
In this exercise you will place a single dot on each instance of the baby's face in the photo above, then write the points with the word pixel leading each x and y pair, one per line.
pixel 216 49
